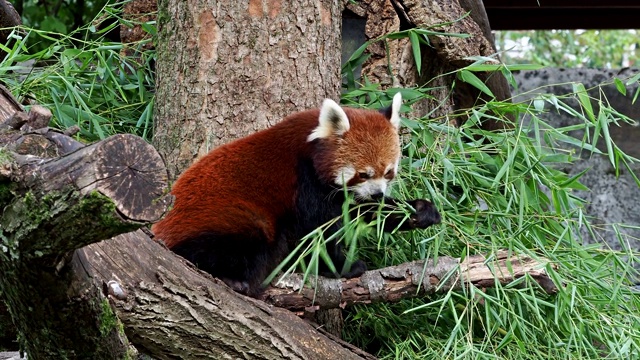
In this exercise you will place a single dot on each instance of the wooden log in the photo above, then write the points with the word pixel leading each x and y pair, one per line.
pixel 171 311
pixel 9 105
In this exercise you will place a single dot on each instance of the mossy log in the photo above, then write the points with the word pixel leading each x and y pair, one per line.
pixel 50 208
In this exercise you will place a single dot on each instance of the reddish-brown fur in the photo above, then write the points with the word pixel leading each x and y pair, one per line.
pixel 248 184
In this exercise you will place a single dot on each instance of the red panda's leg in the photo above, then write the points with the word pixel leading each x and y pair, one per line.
pixel 317 203
pixel 242 261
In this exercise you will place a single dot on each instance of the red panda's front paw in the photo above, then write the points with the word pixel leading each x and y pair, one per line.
pixel 357 268
pixel 238 286
pixel 426 214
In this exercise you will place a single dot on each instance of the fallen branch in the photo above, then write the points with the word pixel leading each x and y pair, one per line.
pixel 418 278
pixel 172 311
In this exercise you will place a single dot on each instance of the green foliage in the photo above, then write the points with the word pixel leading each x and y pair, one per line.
pixel 56 17
pixel 570 48
pixel 497 191
pixel 89 83
pixel 489 187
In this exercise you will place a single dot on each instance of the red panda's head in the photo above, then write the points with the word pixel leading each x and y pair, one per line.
pixel 358 148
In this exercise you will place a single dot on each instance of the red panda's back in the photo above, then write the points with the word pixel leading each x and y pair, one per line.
pixel 242 187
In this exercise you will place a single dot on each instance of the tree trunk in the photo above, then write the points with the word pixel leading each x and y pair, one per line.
pixel 228 69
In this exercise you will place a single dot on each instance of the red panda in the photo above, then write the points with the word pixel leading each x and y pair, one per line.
pixel 243 207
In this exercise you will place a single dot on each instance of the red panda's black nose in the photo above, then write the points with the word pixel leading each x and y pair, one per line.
pixel 377 196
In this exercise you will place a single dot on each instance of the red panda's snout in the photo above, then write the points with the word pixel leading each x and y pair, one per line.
pixel 371 189
pixel 367 183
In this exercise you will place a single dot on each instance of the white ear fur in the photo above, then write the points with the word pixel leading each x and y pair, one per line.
pixel 332 121
pixel 395 110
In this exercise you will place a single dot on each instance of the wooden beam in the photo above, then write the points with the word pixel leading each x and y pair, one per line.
pixel 562 14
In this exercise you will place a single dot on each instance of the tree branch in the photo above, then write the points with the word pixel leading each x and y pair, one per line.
pixel 413 279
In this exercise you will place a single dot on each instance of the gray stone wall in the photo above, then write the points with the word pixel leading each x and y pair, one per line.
pixel 610 200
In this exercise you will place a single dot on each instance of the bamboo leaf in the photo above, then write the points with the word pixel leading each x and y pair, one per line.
pixel 415 46
pixel 471 78
pixel 620 86
pixel 584 99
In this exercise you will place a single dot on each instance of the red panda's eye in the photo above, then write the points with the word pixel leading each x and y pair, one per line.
pixel 389 174
pixel 364 175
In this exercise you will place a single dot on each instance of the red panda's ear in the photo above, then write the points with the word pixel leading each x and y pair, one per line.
pixel 395 110
pixel 333 121
pixel 392 113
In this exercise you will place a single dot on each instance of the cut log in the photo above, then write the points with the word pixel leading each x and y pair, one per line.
pixel 50 207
